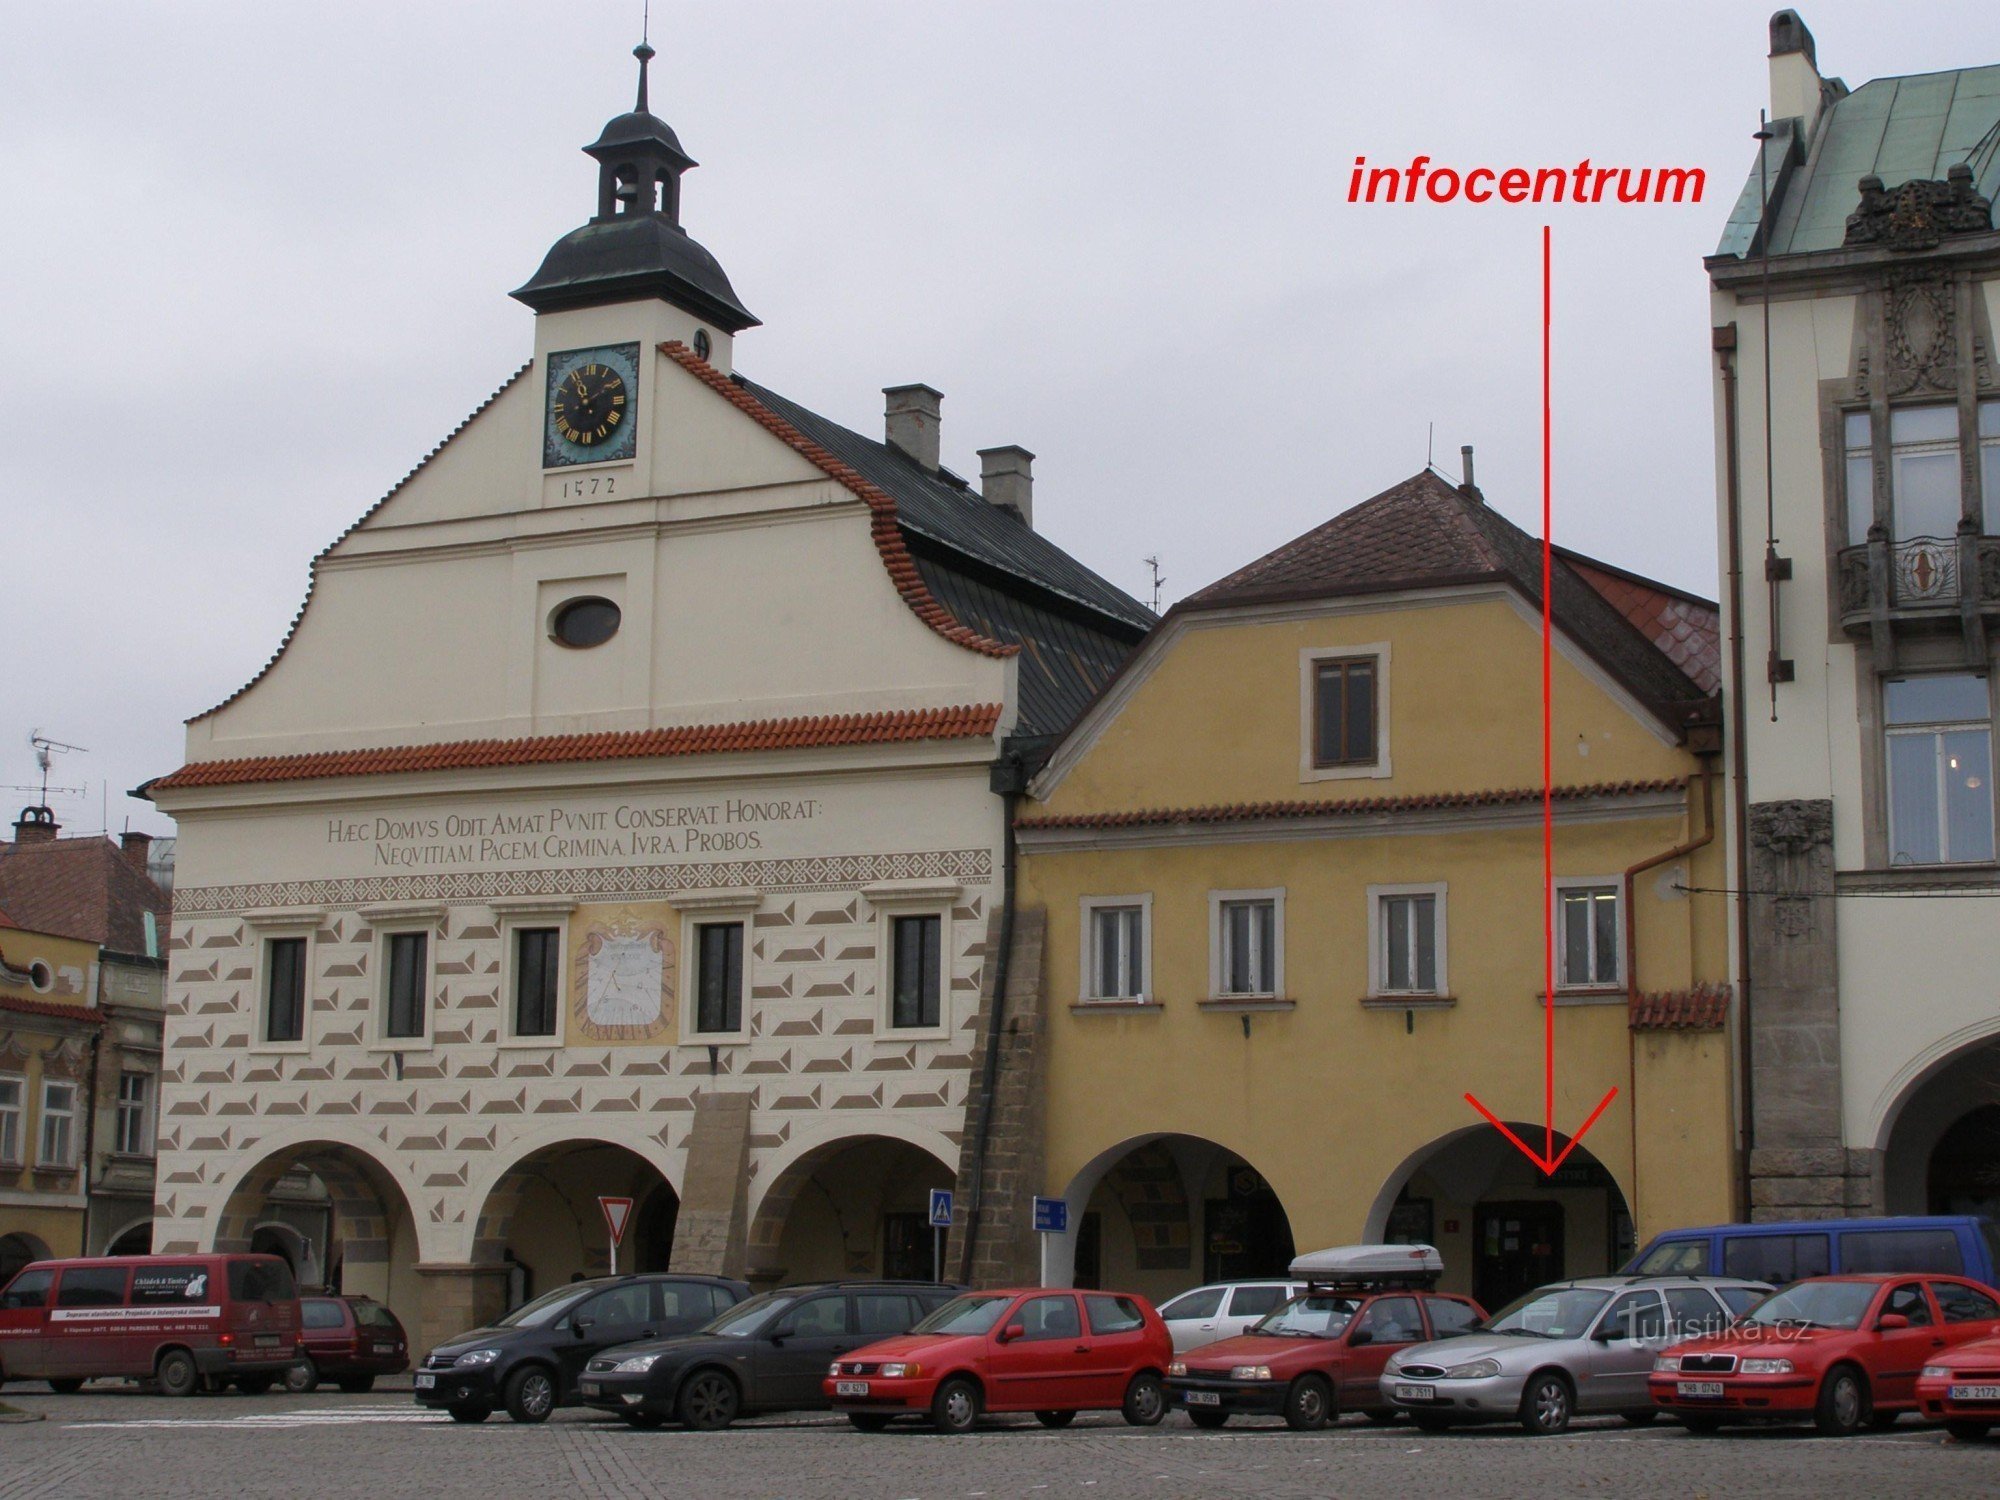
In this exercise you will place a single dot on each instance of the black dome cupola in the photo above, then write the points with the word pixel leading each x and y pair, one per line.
pixel 635 245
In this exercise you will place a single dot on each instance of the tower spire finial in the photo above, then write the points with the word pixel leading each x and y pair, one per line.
pixel 644 52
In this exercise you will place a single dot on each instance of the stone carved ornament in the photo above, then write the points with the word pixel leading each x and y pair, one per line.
pixel 1920 213
pixel 1923 334
pixel 1791 860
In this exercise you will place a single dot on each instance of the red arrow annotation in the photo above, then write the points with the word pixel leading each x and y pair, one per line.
pixel 1548 1158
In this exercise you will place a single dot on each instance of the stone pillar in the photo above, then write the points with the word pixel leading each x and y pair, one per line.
pixel 1007 1251
pixel 1800 1167
pixel 453 1300
pixel 711 1233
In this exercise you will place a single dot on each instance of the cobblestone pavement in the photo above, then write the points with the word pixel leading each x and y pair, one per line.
pixel 130 1446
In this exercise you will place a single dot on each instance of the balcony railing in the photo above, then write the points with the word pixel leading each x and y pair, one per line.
pixel 1923 575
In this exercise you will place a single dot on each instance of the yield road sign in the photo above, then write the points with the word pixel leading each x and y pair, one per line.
pixel 617 1214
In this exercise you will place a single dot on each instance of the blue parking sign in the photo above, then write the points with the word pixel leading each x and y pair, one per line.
pixel 1051 1216
pixel 940 1208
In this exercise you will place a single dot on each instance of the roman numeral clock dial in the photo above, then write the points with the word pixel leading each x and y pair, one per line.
pixel 592 406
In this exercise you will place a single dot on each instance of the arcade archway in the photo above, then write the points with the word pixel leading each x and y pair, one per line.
pixel 1942 1154
pixel 16 1250
pixel 542 1219
pixel 335 1215
pixel 850 1207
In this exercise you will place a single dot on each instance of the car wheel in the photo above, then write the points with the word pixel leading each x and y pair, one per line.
pixel 66 1387
pixel 1644 1417
pixel 1208 1419
pixel 1967 1431
pixel 1842 1409
pixel 708 1402
pixel 868 1421
pixel 1430 1422
pixel 356 1385
pixel 1545 1405
pixel 469 1413
pixel 955 1407
pixel 176 1373
pixel 645 1421
pixel 255 1385
pixel 1145 1400
pixel 1702 1426
pixel 302 1378
pixel 1308 1404
pixel 1055 1419
pixel 531 1394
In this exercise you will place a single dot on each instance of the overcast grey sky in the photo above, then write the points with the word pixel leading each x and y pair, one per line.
pixel 256 259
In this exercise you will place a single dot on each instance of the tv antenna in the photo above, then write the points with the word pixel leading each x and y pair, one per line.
pixel 46 750
pixel 1153 562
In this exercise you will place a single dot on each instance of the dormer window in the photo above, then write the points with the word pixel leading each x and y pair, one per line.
pixel 1343 711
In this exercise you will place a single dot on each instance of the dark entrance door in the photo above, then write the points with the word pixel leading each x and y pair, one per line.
pixel 1516 1248
pixel 907 1249
pixel 1248 1235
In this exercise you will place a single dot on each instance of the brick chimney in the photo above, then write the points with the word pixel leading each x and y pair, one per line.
pixel 138 848
pixel 1006 479
pixel 36 825
pixel 912 421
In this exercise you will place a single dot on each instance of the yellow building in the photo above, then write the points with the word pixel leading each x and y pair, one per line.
pixel 1287 878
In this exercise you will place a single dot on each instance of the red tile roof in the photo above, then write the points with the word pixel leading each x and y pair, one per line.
pixel 82 888
pixel 1685 626
pixel 1703 1008
pixel 882 506
pixel 972 722
pixel 87 1014
pixel 1330 807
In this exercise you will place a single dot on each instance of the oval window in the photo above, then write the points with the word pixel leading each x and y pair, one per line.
pixel 41 977
pixel 585 622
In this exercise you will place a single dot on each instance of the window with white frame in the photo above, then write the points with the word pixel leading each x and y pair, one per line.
pixel 1589 935
pixel 718 977
pixel 284 989
pixel 1246 943
pixel 1923 471
pixel 1939 733
pixel 1407 940
pixel 537 980
pixel 58 1142
pixel 406 985
pixel 1116 945
pixel 1344 711
pixel 1858 439
pixel 13 1106
pixel 135 1115
pixel 916 970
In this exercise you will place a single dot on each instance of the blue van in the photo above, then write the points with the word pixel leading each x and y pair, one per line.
pixel 1950 1245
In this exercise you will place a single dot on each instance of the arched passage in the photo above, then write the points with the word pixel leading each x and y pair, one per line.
pixel 1502 1226
pixel 16 1250
pixel 1157 1214
pixel 542 1219
pixel 856 1206
pixel 335 1214
pixel 1941 1154
pixel 135 1238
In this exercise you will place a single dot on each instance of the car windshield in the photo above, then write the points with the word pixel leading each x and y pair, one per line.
pixel 744 1319
pixel 373 1315
pixel 970 1314
pixel 1312 1316
pixel 1823 1304
pixel 1557 1312
pixel 546 1308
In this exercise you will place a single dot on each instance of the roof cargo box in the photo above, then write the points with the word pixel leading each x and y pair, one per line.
pixel 1355 1263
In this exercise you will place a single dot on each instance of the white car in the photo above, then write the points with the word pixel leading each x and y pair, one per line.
pixel 1223 1309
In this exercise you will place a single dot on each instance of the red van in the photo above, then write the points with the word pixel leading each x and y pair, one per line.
pixel 181 1321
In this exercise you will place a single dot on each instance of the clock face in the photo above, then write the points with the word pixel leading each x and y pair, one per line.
pixel 592 406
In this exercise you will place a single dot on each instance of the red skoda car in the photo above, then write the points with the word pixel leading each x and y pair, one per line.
pixel 1054 1353
pixel 1961 1387
pixel 1842 1351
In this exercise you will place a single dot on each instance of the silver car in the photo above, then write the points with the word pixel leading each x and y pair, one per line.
pixel 1573 1348
pixel 1223 1309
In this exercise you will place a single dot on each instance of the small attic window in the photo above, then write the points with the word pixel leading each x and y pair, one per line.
pixel 582 623
pixel 41 977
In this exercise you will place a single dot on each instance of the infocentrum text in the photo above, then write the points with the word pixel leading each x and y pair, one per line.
pixel 1585 182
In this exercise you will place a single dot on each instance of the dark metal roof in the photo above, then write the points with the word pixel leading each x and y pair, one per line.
pixel 945 510
pixel 635 255
pixel 638 129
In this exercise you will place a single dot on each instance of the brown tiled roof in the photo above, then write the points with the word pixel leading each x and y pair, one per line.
pixel 1428 533
pixel 1337 807
pixel 88 1014
pixel 1703 1008
pixel 888 535
pixel 972 722
pixel 82 888
pixel 1685 626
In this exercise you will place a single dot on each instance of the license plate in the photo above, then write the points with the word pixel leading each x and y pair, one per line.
pixel 589 1387
pixel 426 1382
pixel 850 1388
pixel 1203 1398
pixel 1415 1392
pixel 385 1348
pixel 1975 1393
pixel 1698 1388
pixel 266 1341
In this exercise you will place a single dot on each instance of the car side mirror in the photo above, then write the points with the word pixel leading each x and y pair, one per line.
pixel 1013 1331
pixel 1359 1337
pixel 1889 1322
pixel 581 1326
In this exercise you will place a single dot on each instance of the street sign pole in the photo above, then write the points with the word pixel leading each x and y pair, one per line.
pixel 617 1215
pixel 940 1221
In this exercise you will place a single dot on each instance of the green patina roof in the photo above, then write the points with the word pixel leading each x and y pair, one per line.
pixel 1897 129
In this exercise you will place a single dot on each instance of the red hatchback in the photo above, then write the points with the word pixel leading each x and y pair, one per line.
pixel 1054 1353
pixel 350 1341
pixel 1844 1351
pixel 1961 1387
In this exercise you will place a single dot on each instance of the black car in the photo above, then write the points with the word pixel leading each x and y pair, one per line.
pixel 529 1360
pixel 767 1354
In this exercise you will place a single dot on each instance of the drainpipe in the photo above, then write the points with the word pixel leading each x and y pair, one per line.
pixel 1009 777
pixel 1724 343
pixel 1679 851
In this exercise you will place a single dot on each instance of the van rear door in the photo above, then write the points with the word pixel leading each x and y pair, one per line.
pixel 262 1310
pixel 24 1321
